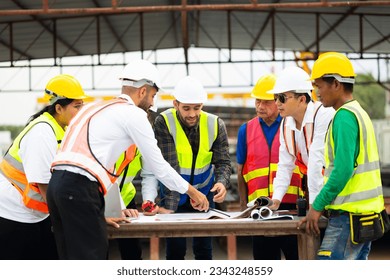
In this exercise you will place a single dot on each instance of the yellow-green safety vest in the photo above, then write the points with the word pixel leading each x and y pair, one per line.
pixel 363 191
pixel 12 166
pixel 200 173
pixel 125 180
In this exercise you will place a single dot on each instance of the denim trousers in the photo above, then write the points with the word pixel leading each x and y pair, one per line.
pixel 176 247
pixel 337 244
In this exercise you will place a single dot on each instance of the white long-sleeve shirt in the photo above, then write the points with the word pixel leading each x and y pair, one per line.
pixel 149 183
pixel 114 129
pixel 315 162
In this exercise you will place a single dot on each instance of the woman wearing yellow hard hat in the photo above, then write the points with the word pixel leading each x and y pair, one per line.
pixel 25 228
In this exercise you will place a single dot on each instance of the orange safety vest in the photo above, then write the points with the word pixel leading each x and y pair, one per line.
pixel 259 170
pixel 289 139
pixel 12 166
pixel 75 148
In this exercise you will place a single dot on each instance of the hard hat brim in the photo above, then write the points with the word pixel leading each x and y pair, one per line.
pixel 273 92
pixel 263 97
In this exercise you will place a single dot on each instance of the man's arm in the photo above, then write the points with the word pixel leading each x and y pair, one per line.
pixel 286 167
pixel 168 149
pixel 141 132
pixel 222 163
pixel 165 142
pixel 316 160
pixel 221 156
pixel 241 151
pixel 242 188
pixel 43 190
pixel 149 184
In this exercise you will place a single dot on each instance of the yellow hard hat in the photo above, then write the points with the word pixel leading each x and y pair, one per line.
pixel 264 84
pixel 64 86
pixel 333 64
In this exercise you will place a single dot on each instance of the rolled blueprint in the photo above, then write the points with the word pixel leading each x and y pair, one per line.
pixel 265 212
pixel 260 201
pixel 262 213
pixel 255 214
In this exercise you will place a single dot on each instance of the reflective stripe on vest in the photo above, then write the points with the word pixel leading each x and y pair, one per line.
pixel 126 186
pixel 363 191
pixel 260 167
pixel 12 166
pixel 202 171
pixel 75 149
pixel 308 132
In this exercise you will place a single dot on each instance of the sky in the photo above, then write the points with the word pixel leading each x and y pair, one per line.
pixel 17 104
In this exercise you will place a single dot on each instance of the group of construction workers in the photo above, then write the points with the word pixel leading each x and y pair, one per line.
pixel 57 171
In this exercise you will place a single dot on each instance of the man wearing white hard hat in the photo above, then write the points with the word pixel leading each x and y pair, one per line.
pixel 302 135
pixel 195 143
pixel 83 169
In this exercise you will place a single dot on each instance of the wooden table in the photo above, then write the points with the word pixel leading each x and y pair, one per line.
pixel 307 244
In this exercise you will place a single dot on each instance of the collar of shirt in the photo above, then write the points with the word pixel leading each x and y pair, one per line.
pixel 307 118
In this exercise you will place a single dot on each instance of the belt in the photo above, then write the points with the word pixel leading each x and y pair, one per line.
pixel 337 213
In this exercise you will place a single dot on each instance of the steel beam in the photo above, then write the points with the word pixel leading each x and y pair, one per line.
pixel 180 8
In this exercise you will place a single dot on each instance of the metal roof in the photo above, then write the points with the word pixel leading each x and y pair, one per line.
pixel 60 28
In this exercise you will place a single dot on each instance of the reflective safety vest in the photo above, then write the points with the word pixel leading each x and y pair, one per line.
pixel 75 148
pixel 198 171
pixel 289 139
pixel 261 164
pixel 12 166
pixel 126 186
pixel 363 191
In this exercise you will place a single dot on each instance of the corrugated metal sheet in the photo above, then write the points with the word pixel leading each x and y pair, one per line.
pixel 88 27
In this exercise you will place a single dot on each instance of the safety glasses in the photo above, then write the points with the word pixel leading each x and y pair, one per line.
pixel 282 98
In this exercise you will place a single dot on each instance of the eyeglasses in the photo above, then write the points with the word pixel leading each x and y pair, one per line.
pixel 282 98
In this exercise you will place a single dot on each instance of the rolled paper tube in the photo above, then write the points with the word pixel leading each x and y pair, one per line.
pixel 255 214
pixel 265 212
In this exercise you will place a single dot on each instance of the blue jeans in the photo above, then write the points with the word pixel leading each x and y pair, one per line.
pixel 176 248
pixel 271 248
pixel 337 244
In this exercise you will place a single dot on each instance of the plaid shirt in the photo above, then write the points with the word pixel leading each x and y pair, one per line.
pixel 220 149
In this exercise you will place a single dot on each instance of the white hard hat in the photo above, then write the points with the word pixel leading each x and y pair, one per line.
pixel 190 91
pixel 140 72
pixel 292 79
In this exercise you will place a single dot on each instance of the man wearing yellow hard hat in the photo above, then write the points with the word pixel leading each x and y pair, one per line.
pixel 352 194
pixel 257 158
pixel 25 228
